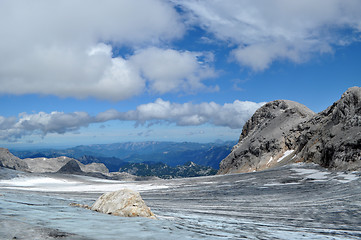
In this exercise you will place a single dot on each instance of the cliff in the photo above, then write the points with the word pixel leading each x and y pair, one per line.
pixel 333 137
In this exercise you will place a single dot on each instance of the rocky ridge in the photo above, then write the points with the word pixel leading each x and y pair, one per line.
pixel 8 160
pixel 49 165
pixel 265 137
pixel 63 165
pixel 283 131
pixel 333 137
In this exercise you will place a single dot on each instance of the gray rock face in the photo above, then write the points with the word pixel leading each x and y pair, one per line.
pixel 94 167
pixel 8 160
pixel 284 131
pixel 265 137
pixel 42 165
pixel 71 167
pixel 333 137
pixel 124 203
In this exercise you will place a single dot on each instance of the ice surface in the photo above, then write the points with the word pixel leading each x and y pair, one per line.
pixel 347 177
pixel 79 184
pixel 44 182
pixel 298 201
pixel 313 173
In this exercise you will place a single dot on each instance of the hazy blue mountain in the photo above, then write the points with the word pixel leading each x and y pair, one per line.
pixel 115 155
pixel 162 170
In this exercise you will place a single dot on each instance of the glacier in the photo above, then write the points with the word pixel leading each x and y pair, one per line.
pixel 298 201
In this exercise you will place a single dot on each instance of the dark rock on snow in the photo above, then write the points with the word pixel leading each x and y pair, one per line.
pixel 71 167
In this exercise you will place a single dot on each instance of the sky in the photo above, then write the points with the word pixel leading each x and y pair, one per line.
pixel 91 72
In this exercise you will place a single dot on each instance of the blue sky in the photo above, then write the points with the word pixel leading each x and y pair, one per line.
pixel 83 72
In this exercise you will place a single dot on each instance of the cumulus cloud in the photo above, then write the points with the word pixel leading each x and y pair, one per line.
pixel 266 31
pixel 170 70
pixel 42 123
pixel 232 115
pixel 54 122
pixel 63 48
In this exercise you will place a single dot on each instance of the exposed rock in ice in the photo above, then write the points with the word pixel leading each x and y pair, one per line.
pixel 124 203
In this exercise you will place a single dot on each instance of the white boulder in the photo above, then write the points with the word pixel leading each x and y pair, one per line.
pixel 124 203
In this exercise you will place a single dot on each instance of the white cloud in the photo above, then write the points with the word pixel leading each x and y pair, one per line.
pixel 54 122
pixel 120 81
pixel 171 71
pixel 89 21
pixel 42 123
pixel 63 48
pixel 266 31
pixel 260 56
pixel 232 115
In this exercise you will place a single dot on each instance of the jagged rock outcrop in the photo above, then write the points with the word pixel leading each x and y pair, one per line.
pixel 284 131
pixel 8 160
pixel 124 203
pixel 266 137
pixel 333 137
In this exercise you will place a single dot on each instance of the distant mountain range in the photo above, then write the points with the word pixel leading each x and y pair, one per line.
pixel 117 155
pixel 162 170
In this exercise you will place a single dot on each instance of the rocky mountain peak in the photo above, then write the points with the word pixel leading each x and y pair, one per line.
pixel 283 131
pixel 265 137
pixel 333 137
pixel 353 92
pixel 347 109
pixel 264 115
